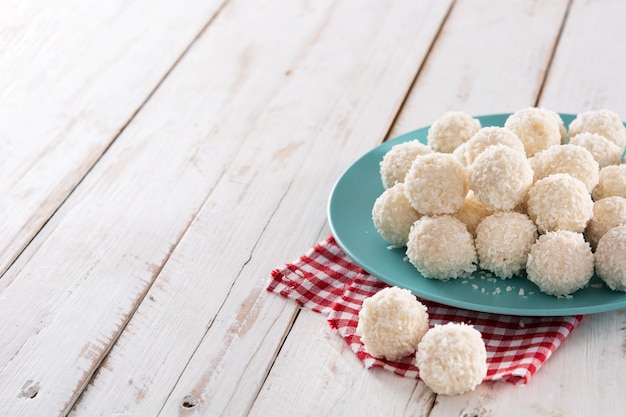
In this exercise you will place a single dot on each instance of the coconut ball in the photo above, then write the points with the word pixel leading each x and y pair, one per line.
pixel 559 121
pixel 391 323
pixel 484 138
pixel 537 128
pixel 503 241
pixel 472 213
pixel 612 182
pixel 607 214
pixel 397 161
pixel 440 247
pixel 559 202
pixel 452 358
pixel 611 258
pixel 603 150
pixel 451 130
pixel 567 159
pixel 603 122
pixel 393 215
pixel 500 177
pixel 560 262
pixel 436 184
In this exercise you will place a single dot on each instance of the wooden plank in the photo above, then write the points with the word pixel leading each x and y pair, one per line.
pixel 584 377
pixel 491 57
pixel 73 74
pixel 69 296
pixel 280 157
pixel 436 76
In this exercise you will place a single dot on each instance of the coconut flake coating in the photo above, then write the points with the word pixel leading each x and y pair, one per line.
pixel 567 159
pixel 500 177
pixel 560 262
pixel 559 121
pixel 559 202
pixel 503 241
pixel 436 184
pixel 612 182
pixel 452 358
pixel 607 214
pixel 603 150
pixel 451 130
pixel 391 323
pixel 393 215
pixel 611 258
pixel 537 128
pixel 484 138
pixel 472 213
pixel 440 247
pixel 603 122
pixel 397 161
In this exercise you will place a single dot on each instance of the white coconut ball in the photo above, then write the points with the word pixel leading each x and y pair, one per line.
pixel 607 214
pixel 567 159
pixel 559 121
pixel 391 323
pixel 612 181
pixel 484 138
pixel 440 247
pixel 500 177
pixel 611 258
pixel 436 184
pixel 472 213
pixel 560 262
pixel 393 215
pixel 537 128
pixel 603 122
pixel 503 241
pixel 397 161
pixel 603 150
pixel 452 358
pixel 559 202
pixel 451 130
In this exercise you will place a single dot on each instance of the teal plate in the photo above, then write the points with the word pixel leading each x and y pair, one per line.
pixel 349 215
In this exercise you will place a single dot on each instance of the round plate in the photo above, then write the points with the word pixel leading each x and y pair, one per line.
pixel 349 214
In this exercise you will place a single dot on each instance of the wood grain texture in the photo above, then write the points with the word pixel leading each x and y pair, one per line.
pixel 141 370
pixel 232 360
pixel 72 74
pixel 490 57
pixel 70 295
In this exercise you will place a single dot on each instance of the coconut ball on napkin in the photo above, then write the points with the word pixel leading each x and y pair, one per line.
pixel 559 201
pixel 500 177
pixel 610 258
pixel 440 247
pixel 451 130
pixel 560 262
pixel 436 184
pixel 452 358
pixel 537 128
pixel 603 122
pixel 393 215
pixel 503 241
pixel 397 161
pixel 391 323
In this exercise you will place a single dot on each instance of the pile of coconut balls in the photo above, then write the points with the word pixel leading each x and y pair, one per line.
pixel 531 196
pixel 528 196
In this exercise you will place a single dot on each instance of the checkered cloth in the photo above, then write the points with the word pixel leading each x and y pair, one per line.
pixel 325 280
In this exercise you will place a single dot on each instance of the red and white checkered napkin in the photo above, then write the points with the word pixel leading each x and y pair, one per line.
pixel 325 280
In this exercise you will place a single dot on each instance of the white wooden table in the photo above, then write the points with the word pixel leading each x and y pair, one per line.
pixel 159 158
